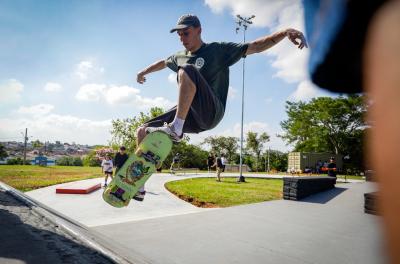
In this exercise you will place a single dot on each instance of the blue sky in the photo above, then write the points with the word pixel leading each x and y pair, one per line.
pixel 67 68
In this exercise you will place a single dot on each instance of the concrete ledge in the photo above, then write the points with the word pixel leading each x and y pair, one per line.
pixel 371 203
pixel 296 188
pixel 78 189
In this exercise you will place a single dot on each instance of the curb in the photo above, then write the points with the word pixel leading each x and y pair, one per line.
pixel 88 237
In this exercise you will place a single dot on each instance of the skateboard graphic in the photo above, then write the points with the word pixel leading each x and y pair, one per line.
pixel 149 155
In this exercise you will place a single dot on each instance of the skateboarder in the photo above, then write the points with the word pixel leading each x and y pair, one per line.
pixel 331 167
pixel 210 161
pixel 107 168
pixel 120 158
pixel 203 77
pixel 175 162
pixel 218 166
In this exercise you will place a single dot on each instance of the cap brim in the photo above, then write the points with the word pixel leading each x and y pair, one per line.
pixel 179 27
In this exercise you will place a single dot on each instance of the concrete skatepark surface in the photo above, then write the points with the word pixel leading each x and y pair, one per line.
pixel 329 227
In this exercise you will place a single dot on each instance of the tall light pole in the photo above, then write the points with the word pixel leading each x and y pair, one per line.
pixel 25 141
pixel 242 23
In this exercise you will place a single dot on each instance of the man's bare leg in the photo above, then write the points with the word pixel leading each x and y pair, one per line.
pixel 187 91
pixel 382 80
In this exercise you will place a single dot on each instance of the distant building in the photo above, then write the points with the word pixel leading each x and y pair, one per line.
pixel 43 161
pixel 299 161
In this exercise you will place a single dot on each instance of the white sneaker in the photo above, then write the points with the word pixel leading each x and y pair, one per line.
pixel 139 196
pixel 167 129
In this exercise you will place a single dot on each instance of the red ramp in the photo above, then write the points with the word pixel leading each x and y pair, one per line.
pixel 78 188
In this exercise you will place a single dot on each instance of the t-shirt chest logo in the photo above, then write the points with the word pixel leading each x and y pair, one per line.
pixel 199 63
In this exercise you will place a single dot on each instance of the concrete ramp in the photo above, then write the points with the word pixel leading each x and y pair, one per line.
pixel 81 187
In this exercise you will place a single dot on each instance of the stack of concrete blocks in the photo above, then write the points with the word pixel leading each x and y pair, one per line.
pixel 370 203
pixel 297 188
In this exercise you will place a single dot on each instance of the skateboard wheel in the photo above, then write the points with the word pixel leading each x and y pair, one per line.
pixel 138 152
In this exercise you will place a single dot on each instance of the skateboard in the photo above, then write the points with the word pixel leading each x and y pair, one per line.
pixel 140 165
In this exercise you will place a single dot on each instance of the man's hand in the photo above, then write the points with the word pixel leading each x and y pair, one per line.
pixel 293 35
pixel 140 78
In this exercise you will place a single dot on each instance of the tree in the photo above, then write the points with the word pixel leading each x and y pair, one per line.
pixel 191 156
pixel 17 161
pixel 255 144
pixel 91 160
pixel 326 124
pixel 225 145
pixel 124 130
pixel 3 152
pixel 277 160
pixel 77 161
pixel 37 144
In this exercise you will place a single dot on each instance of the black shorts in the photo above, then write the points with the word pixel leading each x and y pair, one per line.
pixel 205 112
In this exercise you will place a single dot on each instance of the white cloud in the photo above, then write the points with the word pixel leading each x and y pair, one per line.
pixel 289 61
pixel 305 91
pixel 52 87
pixel 120 94
pixel 232 93
pixel 265 11
pixel 91 92
pixel 52 127
pixel 172 77
pixel 86 69
pixel 36 110
pixel 116 95
pixel 10 90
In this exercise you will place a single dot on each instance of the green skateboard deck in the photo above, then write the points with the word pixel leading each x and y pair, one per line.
pixel 140 165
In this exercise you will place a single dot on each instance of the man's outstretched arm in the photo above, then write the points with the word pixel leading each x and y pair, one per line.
pixel 264 43
pixel 157 66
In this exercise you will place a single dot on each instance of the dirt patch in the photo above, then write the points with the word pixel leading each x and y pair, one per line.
pixel 195 202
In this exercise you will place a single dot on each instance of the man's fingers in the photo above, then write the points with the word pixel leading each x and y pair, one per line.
pixel 303 41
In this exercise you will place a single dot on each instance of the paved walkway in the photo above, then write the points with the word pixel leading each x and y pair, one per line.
pixel 94 211
pixel 329 227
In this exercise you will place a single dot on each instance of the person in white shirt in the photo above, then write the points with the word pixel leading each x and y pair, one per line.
pixel 224 162
pixel 107 168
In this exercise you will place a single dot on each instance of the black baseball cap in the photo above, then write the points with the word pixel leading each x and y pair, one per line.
pixel 186 21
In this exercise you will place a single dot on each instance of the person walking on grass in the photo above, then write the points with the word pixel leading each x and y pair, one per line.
pixel 218 167
pixel 107 168
pixel 224 162
pixel 210 161
pixel 203 77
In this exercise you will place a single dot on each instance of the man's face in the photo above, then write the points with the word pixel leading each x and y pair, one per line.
pixel 189 37
pixel 122 151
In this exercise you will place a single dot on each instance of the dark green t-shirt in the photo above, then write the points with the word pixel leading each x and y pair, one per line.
pixel 213 61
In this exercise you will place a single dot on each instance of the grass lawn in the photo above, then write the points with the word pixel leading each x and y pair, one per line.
pixel 352 177
pixel 29 177
pixel 207 192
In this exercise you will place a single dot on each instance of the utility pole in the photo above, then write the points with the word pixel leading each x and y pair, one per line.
pixel 25 141
pixel 242 22
pixel 268 158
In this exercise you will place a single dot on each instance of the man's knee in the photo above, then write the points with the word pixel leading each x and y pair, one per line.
pixel 187 72
pixel 140 133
